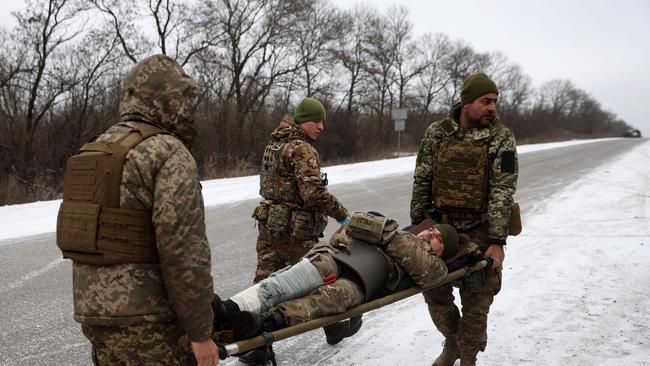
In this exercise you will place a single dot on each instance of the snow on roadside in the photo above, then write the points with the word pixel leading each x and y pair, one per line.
pixel 40 217
pixel 575 285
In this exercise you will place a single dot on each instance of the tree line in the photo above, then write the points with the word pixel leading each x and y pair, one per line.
pixel 62 64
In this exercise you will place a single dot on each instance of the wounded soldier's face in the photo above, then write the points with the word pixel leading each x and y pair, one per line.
pixel 434 238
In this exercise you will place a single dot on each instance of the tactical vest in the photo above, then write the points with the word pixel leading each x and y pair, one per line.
pixel 274 186
pixel 91 227
pixel 461 174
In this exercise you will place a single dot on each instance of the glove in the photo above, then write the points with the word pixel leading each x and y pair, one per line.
pixel 344 221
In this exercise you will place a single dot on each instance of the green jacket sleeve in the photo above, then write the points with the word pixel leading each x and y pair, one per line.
pixel 421 196
pixel 503 183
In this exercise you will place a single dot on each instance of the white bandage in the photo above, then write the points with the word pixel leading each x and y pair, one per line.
pixel 290 283
pixel 249 299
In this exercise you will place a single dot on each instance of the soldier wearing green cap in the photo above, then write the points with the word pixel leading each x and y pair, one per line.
pixel 466 176
pixel 296 203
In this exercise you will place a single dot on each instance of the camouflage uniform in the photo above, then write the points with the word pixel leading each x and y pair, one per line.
pixel 410 252
pixel 136 313
pixel 490 227
pixel 293 186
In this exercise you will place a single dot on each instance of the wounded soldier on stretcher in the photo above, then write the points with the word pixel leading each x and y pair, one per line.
pixel 365 259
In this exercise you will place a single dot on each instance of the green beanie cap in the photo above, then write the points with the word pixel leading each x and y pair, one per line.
pixel 449 239
pixel 476 85
pixel 309 109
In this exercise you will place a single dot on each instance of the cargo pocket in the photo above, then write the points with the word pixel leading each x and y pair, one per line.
pixel 261 212
pixel 278 218
pixel 302 225
pixel 321 224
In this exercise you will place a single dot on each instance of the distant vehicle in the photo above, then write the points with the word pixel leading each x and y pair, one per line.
pixel 632 132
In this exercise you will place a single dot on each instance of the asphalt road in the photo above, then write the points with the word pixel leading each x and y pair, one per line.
pixel 35 284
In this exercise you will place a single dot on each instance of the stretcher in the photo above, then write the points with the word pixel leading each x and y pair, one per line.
pixel 227 349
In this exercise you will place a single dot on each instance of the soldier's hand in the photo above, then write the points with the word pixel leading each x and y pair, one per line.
pixel 206 353
pixel 496 252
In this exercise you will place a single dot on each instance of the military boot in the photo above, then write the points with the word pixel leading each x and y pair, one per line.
pixel 334 333
pixel 450 353
pixel 257 356
pixel 246 324
pixel 222 311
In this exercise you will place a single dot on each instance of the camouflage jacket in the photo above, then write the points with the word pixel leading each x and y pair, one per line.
pixel 159 175
pixel 300 161
pixel 502 180
pixel 405 249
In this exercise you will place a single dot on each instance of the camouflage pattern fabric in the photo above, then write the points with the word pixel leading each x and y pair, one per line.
pixel 503 171
pixel 275 252
pixel 299 163
pixel 144 344
pixel 405 249
pixel 470 330
pixel 159 175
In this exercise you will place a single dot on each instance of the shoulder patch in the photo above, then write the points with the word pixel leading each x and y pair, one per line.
pixel 508 162
pixel 420 152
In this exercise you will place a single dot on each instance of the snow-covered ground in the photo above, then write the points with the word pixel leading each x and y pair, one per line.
pixel 40 217
pixel 576 284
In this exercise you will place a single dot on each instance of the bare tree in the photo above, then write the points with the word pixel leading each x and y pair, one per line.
pixel 514 85
pixel 379 48
pixel 462 61
pixel 43 28
pixel 123 16
pixel 313 34
pixel 409 61
pixel 433 79
pixel 349 49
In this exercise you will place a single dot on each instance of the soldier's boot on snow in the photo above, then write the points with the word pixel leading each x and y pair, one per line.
pixel 334 333
pixel 222 310
pixel 257 356
pixel 450 353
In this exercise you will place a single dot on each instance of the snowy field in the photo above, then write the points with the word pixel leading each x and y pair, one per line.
pixel 576 281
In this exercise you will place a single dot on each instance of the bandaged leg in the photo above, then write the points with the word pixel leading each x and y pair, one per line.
pixel 287 284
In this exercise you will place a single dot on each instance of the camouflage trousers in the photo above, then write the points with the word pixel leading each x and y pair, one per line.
pixel 141 344
pixel 332 298
pixel 276 251
pixel 409 251
pixel 469 331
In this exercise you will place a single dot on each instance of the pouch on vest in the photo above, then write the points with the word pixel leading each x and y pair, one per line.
pixel 91 228
pixel 278 218
pixel 371 228
pixel 515 220
pixel 261 212
pixel 307 225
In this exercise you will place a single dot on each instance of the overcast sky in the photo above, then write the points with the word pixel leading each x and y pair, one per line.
pixel 602 46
